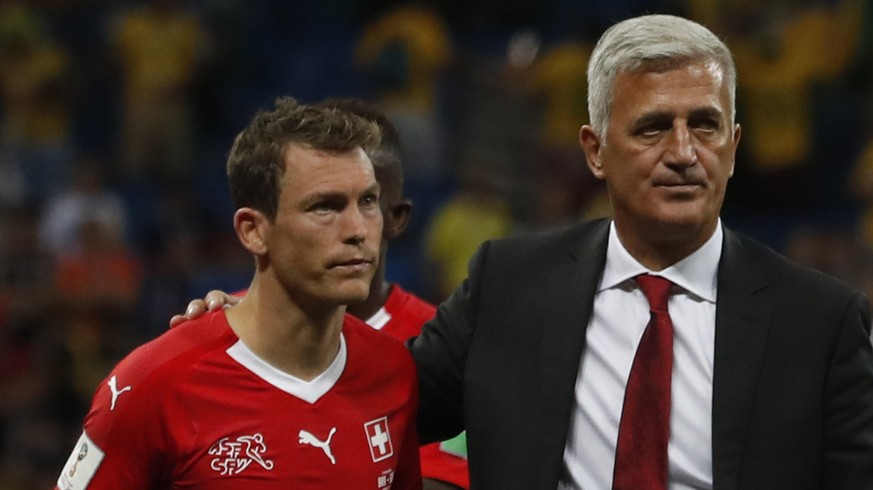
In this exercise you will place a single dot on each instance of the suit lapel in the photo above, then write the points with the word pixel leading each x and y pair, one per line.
pixel 743 307
pixel 566 300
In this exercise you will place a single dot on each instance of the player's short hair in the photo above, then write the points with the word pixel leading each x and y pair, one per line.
pixel 387 158
pixel 651 42
pixel 256 162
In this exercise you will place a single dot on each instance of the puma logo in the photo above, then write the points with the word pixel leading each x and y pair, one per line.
pixel 307 438
pixel 115 391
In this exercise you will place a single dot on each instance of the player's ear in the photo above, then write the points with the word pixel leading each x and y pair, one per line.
pixel 252 230
pixel 397 218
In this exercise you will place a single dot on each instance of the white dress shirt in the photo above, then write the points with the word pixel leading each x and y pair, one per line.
pixel 620 315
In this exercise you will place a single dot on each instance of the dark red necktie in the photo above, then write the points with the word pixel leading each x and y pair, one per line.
pixel 644 430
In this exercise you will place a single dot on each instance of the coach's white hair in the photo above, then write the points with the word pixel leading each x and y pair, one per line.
pixel 651 42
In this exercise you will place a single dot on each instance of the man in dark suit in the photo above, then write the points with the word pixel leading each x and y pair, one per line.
pixel 771 385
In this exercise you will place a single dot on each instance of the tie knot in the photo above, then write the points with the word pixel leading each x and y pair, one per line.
pixel 656 289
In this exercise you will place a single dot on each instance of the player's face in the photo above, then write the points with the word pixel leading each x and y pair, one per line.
pixel 395 208
pixel 390 187
pixel 324 242
pixel 669 149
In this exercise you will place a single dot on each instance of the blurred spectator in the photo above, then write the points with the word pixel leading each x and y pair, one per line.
pixel 404 51
pixel 860 76
pixel 35 100
pixel 479 211
pixel 496 123
pixel 159 46
pixel 719 14
pixel 829 249
pixel 95 284
pixel 564 189
pixel 558 77
pixel 43 410
pixel 98 289
pixel 781 60
pixel 26 272
pixel 404 54
pixel 834 250
pixel 173 238
pixel 88 198
pixel 38 409
pixel 103 278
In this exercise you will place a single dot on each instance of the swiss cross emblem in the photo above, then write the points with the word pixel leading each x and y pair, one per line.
pixel 379 439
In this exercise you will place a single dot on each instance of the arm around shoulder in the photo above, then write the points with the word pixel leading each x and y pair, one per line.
pixel 440 354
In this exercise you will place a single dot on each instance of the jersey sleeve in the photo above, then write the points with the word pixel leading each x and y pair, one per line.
pixel 126 440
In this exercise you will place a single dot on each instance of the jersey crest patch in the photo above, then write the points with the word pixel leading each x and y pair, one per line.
pixel 232 457
pixel 379 439
pixel 81 465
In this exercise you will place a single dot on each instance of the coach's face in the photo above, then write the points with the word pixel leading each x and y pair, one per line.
pixel 668 153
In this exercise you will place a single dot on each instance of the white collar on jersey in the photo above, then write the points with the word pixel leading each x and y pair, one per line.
pixel 308 391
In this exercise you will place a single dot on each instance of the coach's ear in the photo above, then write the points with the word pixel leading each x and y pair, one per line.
pixel 590 143
pixel 252 230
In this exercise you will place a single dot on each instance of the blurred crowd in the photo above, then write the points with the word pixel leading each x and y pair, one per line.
pixel 116 116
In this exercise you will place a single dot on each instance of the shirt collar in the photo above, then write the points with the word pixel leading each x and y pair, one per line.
pixel 696 273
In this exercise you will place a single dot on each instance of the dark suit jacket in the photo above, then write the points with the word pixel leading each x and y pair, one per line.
pixel 793 378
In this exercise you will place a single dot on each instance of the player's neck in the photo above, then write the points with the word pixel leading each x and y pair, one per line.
pixel 379 291
pixel 302 343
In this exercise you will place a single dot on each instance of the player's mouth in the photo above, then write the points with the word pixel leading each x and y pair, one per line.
pixel 353 265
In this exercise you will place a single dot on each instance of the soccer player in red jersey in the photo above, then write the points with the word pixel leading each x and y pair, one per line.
pixel 388 308
pixel 284 390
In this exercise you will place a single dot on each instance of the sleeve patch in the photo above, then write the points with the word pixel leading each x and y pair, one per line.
pixel 81 465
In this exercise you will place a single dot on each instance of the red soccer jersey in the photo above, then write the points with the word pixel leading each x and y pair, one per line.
pixel 196 409
pixel 403 314
pixel 401 318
